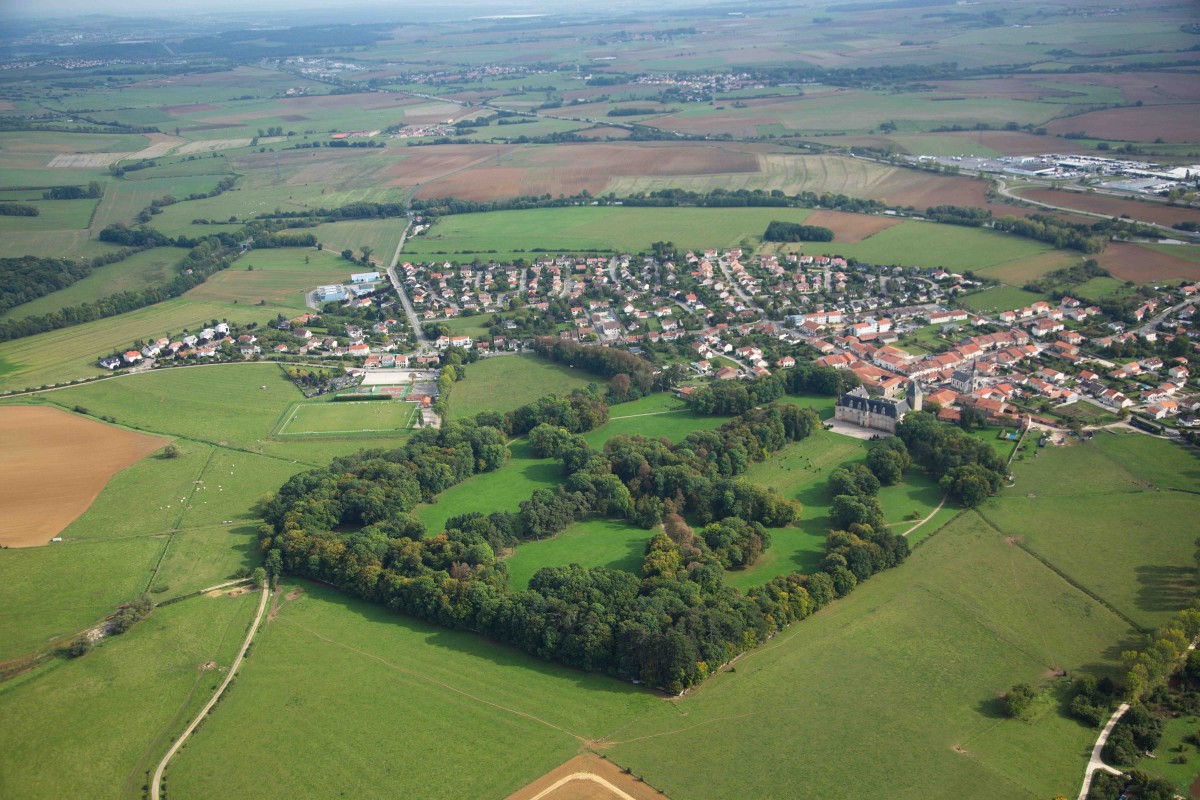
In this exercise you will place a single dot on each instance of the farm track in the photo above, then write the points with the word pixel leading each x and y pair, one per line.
pixel 156 781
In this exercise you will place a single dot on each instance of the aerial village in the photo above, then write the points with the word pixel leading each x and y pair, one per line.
pixel 722 316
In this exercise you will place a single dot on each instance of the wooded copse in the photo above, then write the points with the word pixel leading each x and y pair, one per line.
pixel 669 628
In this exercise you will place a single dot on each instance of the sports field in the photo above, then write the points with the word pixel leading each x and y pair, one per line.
pixel 350 418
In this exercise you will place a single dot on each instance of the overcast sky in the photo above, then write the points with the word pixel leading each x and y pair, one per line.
pixel 391 9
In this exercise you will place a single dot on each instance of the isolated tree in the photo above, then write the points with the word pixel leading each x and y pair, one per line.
pixel 1019 700
pixel 171 451
pixel 366 253
pixel 259 576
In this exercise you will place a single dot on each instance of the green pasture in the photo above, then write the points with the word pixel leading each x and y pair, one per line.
pixel 52 215
pixel 124 198
pixel 474 325
pixel 346 678
pixel 503 383
pixel 153 678
pixel 501 490
pixel 995 299
pixel 964 619
pixel 51 593
pixel 674 425
pixel 237 405
pixel 148 268
pixel 1098 289
pixel 597 228
pixel 592 543
pixel 1098 511
pixel 860 111
pixel 381 235
pixel 929 244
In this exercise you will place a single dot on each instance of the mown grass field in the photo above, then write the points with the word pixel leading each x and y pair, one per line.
pixel 935 641
pixel 596 228
pixel 502 383
pixel 152 678
pixel 345 679
pixel 501 490
pixel 1000 298
pixel 593 543
pixel 929 244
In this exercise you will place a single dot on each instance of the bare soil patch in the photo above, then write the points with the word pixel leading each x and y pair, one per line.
pixel 1115 206
pixel 52 467
pixel 850 227
pixel 7 105
pixel 604 132
pixel 429 166
pixel 1132 262
pixel 587 777
pixel 1174 123
pixel 1015 143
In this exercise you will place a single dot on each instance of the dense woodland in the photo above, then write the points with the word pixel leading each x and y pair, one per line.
pixel 669 628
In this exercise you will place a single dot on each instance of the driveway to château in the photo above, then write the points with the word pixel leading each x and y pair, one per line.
pixel 852 430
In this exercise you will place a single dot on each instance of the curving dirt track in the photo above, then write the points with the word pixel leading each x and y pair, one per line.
pixel 587 777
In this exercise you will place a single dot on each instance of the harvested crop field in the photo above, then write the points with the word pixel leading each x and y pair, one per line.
pixel 850 227
pixel 566 169
pixel 53 465
pixel 587 777
pixel 1132 262
pixel 1174 123
pixel 1109 206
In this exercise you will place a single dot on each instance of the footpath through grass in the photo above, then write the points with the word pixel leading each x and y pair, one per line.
pixel 347 680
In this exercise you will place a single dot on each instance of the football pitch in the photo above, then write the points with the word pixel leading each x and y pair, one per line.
pixel 347 419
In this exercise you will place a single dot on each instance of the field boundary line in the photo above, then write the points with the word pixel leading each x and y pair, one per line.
pixel 179 520
pixel 435 681
pixel 156 781
pixel 1050 566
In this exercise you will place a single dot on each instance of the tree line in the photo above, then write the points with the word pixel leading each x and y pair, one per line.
pixel 669 628
pixel 738 397
pixel 27 278
pixel 779 231
pixel 969 470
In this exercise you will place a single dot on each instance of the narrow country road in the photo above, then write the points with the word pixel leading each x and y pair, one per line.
pixel 409 311
pixel 1095 762
pixel 156 781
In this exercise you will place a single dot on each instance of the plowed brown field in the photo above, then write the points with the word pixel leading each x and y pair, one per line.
pixel 1173 123
pixel 850 227
pixel 53 465
pixel 1132 262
